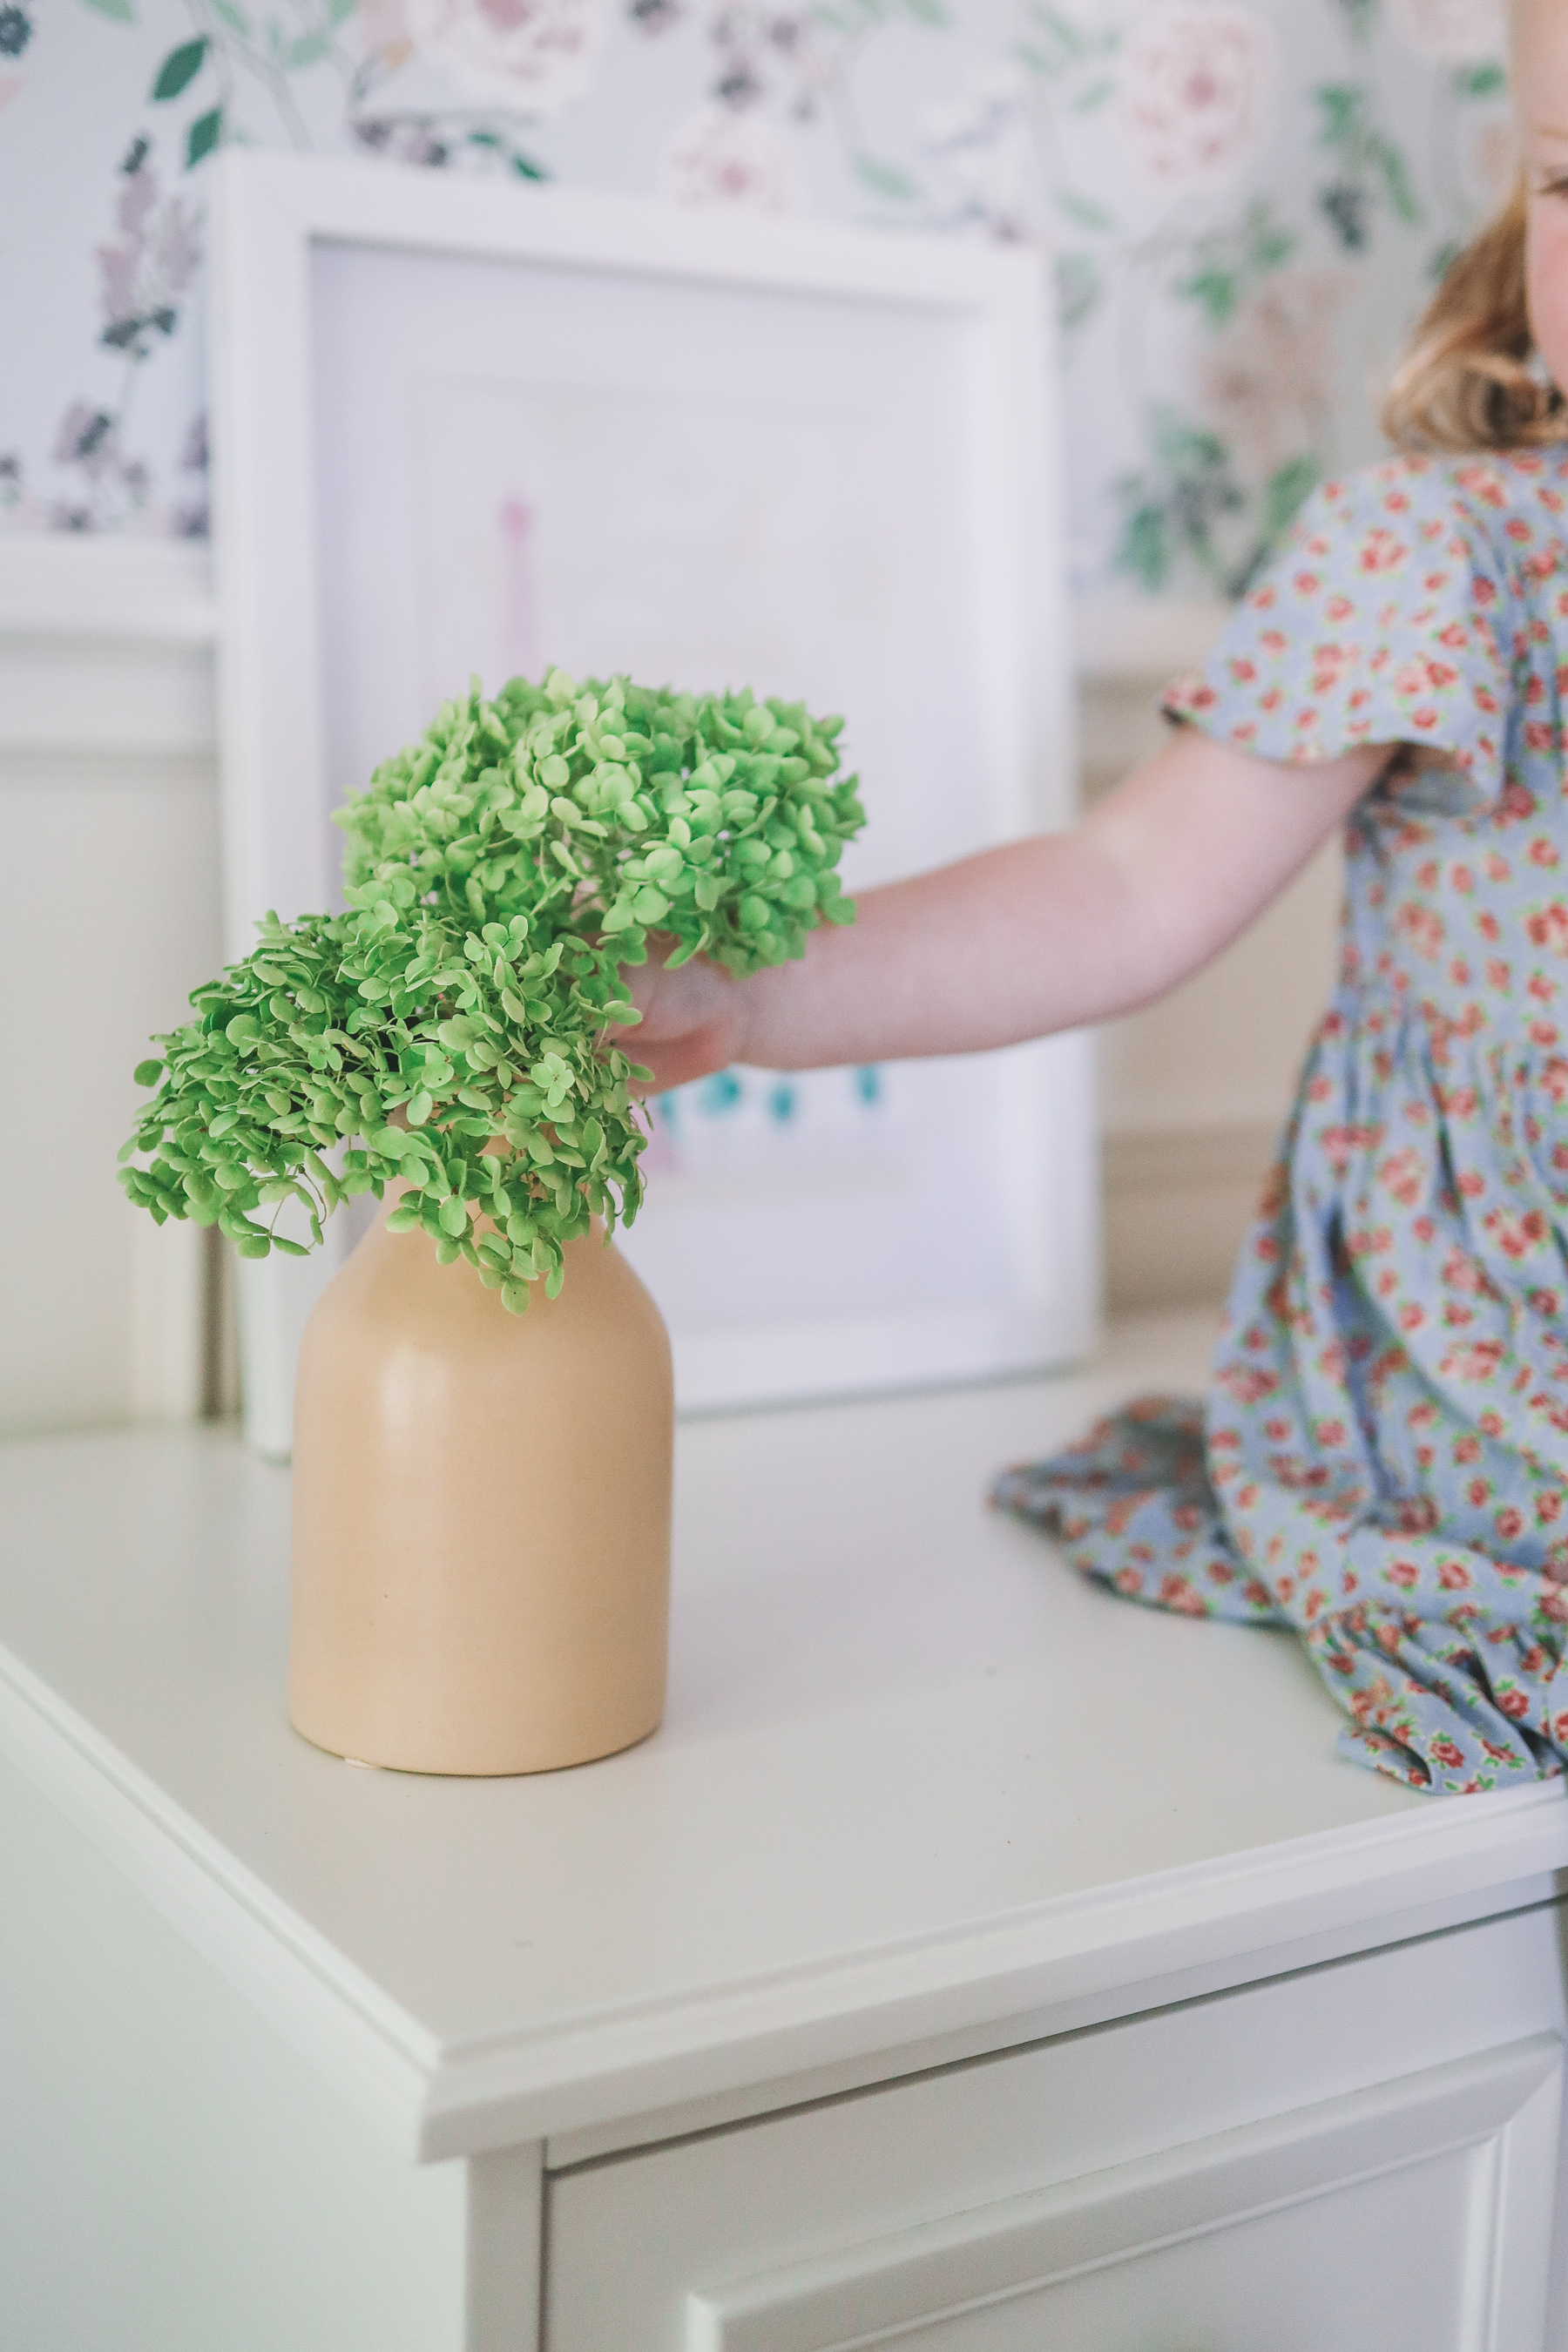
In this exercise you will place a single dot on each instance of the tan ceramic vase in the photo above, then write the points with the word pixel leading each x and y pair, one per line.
pixel 481 1515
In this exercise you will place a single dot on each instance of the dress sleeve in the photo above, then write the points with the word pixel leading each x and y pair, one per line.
pixel 1381 620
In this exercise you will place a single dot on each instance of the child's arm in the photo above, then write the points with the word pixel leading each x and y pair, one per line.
pixel 1041 935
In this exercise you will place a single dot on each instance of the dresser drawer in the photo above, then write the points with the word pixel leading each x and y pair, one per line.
pixel 1360 2155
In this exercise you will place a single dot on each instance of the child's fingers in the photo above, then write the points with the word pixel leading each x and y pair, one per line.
pixel 674 1063
pixel 689 1023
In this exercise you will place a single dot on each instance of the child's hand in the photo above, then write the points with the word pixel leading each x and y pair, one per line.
pixel 1040 935
pixel 693 1019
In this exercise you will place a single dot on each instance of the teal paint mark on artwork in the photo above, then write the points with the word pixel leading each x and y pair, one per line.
pixel 719 1094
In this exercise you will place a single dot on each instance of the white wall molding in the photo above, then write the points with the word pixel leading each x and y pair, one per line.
pixel 1138 637
pixel 161 590
pixel 108 775
pixel 147 591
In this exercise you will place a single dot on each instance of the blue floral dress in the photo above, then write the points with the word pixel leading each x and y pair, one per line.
pixel 1383 1461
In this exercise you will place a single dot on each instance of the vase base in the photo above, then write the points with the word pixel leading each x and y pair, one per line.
pixel 508 1769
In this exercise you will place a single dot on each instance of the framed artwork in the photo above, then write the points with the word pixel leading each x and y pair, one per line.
pixel 460 428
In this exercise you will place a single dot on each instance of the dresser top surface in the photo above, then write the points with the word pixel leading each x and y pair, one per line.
pixel 914 1771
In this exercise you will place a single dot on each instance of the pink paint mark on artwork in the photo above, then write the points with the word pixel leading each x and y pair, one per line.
pixel 661 1154
pixel 519 608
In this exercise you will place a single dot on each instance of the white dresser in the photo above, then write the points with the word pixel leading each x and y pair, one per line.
pixel 974 1963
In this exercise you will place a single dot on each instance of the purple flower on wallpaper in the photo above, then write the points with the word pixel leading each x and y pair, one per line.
pixel 88 437
pixel 1196 84
pixel 529 58
pixel 88 440
pixel 981 155
pixel 15 31
pixel 150 261
pixel 727 155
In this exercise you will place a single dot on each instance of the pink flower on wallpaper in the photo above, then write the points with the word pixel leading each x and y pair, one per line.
pixel 1193 89
pixel 726 155
pixel 1454 29
pixel 1269 380
pixel 520 604
pixel 530 57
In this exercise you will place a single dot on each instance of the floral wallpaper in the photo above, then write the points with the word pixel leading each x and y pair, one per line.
pixel 1239 203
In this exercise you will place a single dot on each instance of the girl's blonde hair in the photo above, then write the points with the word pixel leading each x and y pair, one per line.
pixel 1469 379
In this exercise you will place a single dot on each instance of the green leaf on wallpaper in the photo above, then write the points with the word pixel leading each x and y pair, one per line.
pixel 1083 210
pixel 1089 101
pixel 1389 163
pixel 1217 292
pixel 1480 82
pixel 1056 46
pixel 926 12
pixel 1079 289
pixel 527 169
pixel 1362 17
pixel 339 11
pixel 308 50
pixel 121 10
pixel 1145 549
pixel 234 18
pixel 886 179
pixel 1230 262
pixel 1175 507
pixel 205 134
pixel 1284 492
pixel 180 67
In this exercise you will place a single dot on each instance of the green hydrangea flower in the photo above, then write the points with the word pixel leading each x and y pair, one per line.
pixel 497 874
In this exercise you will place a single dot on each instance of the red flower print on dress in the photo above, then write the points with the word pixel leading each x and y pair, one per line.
pixel 1547 927
pixel 1382 551
pixel 1515 1232
pixel 1180 1593
pixel 1404 1174
pixel 1422 926
pixel 1423 677
pixel 1472 1360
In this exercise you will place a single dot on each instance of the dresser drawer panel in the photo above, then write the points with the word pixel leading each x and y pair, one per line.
pixel 1419 2211
pixel 1375 2138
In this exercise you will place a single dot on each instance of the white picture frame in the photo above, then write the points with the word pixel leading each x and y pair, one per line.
pixel 853 434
